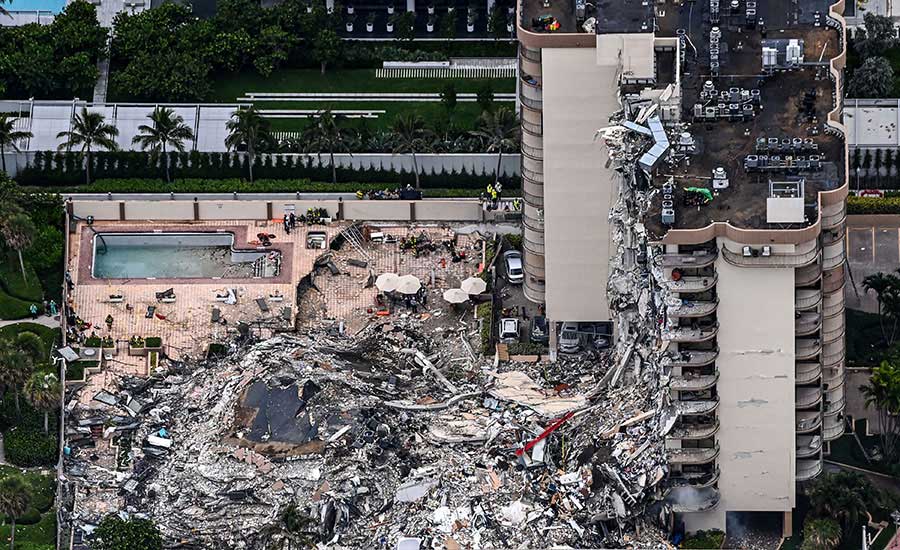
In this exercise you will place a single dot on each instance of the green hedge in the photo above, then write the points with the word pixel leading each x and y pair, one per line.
pixel 705 540
pixel 873 205
pixel 28 446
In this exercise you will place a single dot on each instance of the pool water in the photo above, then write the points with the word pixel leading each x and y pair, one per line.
pixel 178 256
pixel 53 6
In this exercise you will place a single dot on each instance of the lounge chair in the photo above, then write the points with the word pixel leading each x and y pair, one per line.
pixel 166 296
pixel 263 306
pixel 150 311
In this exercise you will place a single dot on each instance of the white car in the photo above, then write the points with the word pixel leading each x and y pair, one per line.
pixel 514 273
pixel 509 330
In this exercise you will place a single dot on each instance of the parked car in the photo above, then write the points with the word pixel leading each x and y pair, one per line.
pixel 540 333
pixel 575 336
pixel 514 273
pixel 509 330
pixel 568 338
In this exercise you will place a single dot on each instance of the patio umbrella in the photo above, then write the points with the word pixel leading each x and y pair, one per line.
pixel 474 285
pixel 387 282
pixel 456 296
pixel 408 284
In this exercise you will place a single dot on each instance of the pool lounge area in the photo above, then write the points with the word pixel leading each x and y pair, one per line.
pixel 183 255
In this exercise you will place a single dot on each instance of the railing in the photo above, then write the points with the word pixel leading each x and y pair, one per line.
pixel 695 431
pixel 531 246
pixel 533 55
pixel 806 373
pixel 773 260
pixel 692 358
pixel 535 225
pixel 834 407
pixel 831 236
pixel 535 177
pixel 535 104
pixel 833 261
pixel 695 407
pixel 685 334
pixel 830 433
pixel 834 215
pixel 807 298
pixel 688 259
pixel 807 323
pixel 690 308
pixel 693 383
pixel 536 153
pixel 807 275
pixel 532 199
pixel 833 358
pixel 692 284
pixel 808 445
pixel 808 422
pixel 698 480
pixel 807 397
pixel 808 469
pixel 807 349
pixel 833 281
pixel 532 128
pixel 692 456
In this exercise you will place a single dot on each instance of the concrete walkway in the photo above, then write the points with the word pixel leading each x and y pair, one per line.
pixel 50 322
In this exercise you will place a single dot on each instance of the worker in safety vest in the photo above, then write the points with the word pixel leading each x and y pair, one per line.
pixel 517 204
pixel 359 195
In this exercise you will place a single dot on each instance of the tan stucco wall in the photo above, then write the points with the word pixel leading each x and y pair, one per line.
pixel 159 210
pixel 101 210
pixel 578 188
pixel 232 210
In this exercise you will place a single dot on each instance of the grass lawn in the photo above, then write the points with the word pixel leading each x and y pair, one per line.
pixel 227 88
pixel 846 450
pixel 37 529
pixel 883 538
pixel 865 345
pixel 47 334
pixel 16 294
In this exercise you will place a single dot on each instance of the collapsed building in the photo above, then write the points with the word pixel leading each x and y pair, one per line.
pixel 723 166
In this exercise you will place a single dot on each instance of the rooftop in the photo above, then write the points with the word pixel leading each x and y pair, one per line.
pixel 536 15
pixel 624 16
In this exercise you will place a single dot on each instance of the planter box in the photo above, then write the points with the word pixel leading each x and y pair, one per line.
pixel 370 27
pixel 137 352
pixel 111 351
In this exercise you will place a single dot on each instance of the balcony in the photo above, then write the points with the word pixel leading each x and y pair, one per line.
pixel 807 373
pixel 807 349
pixel 807 323
pixel 688 334
pixel 808 275
pixel 833 305
pixel 536 201
pixel 531 128
pixel 808 469
pixel 698 480
pixel 689 382
pixel 808 421
pixel 532 140
pixel 694 431
pixel 807 298
pixel 692 456
pixel 833 428
pixel 690 308
pixel 833 356
pixel 834 215
pixel 834 402
pixel 688 499
pixel 833 329
pixel 693 358
pixel 807 397
pixel 531 95
pixel 687 285
pixel 833 281
pixel 808 445
pixel 831 236
pixel 531 54
pixel 833 377
pixel 695 408
pixel 693 259
pixel 833 256
pixel 530 151
pixel 772 260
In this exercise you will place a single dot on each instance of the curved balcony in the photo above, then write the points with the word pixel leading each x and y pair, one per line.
pixel 807 349
pixel 692 358
pixel 773 260
pixel 688 499
pixel 808 421
pixel 807 373
pixel 531 221
pixel 833 329
pixel 833 215
pixel 833 281
pixel 535 265
pixel 531 96
pixel 688 334
pixel 807 397
pixel 833 305
pixel 688 382
pixel 691 284
pixel 833 256
pixel 698 480
pixel 808 275
pixel 532 129
pixel 533 170
pixel 533 243
pixel 536 201
pixel 536 153
pixel 531 54
pixel 692 456
pixel 808 445
pixel 834 403
pixel 690 308
pixel 833 428
pixel 808 469
pixel 833 235
pixel 533 140
pixel 833 355
pixel 833 377
pixel 699 259
pixel 534 292
pixel 807 298
pixel 694 431
pixel 807 323
pixel 695 408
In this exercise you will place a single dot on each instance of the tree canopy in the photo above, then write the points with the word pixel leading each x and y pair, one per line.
pixel 115 533
pixel 873 79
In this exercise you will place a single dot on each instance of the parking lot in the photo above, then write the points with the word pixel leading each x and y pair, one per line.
pixel 873 245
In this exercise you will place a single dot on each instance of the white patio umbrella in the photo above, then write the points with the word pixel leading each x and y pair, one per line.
pixel 474 285
pixel 387 282
pixel 456 296
pixel 408 284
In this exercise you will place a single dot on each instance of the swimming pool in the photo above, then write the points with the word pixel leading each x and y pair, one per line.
pixel 178 256
pixel 52 6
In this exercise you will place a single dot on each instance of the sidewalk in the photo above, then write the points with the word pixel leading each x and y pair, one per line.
pixel 51 322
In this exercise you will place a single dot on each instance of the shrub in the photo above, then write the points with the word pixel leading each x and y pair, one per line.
pixel 485 312
pixel 705 540
pixel 153 342
pixel 31 517
pixel 873 205
pixel 30 446
pixel 92 342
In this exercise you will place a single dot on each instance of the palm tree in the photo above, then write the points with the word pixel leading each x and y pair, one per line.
pixel 89 130
pixel 15 499
pixel 9 136
pixel 42 391
pixel 167 129
pixel 16 367
pixel 411 135
pixel 820 534
pixel 843 496
pixel 3 10
pixel 326 134
pixel 247 128
pixel 32 346
pixel 882 285
pixel 499 130
pixel 18 231
pixel 883 394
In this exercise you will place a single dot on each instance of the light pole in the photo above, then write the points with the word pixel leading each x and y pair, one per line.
pixel 857 180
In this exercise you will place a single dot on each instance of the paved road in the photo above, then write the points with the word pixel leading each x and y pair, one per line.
pixel 873 245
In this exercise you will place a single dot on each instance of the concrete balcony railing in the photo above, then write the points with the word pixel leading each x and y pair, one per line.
pixel 805 350
pixel 807 298
pixel 690 308
pixel 533 223
pixel 694 431
pixel 808 469
pixel 833 305
pixel 695 408
pixel 833 355
pixel 833 377
pixel 808 445
pixel 531 54
pixel 531 128
pixel 531 95
pixel 692 358
pixel 808 421
pixel 834 215
pixel 692 456
pixel 773 260
pixel 532 177
pixel 536 201
pixel 533 291
pixel 697 480
pixel 532 140
pixel 834 261
pixel 807 397
pixel 807 373
pixel 833 281
pixel 688 382
pixel 834 403
pixel 692 284
pixel 807 323
pixel 689 499
pixel 832 329
pixel 833 235
pixel 536 153
pixel 699 259
pixel 808 275
pixel 833 428
pixel 688 334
